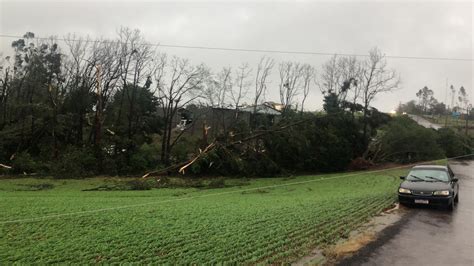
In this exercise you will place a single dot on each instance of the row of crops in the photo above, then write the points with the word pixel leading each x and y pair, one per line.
pixel 265 226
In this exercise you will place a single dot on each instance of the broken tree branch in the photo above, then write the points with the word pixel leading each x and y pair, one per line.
pixel 183 165
pixel 205 151
pixel 5 166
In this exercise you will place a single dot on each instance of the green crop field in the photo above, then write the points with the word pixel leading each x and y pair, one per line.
pixel 246 223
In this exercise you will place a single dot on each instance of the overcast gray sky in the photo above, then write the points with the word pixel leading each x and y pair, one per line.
pixel 424 29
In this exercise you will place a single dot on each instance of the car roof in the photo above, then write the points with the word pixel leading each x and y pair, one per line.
pixel 429 166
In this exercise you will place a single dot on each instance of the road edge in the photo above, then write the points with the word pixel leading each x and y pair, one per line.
pixel 381 237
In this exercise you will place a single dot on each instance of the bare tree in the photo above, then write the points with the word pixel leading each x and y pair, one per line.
pixel 80 70
pixel 377 78
pixel 329 79
pixel 291 75
pixel 340 76
pixel 351 73
pixel 136 69
pixel 242 85
pixel 174 92
pixel 308 76
pixel 264 69
pixel 108 72
pixel 94 68
pixel 224 79
pixel 218 87
pixel 210 91
pixel 133 53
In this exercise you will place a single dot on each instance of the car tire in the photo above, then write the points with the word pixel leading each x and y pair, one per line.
pixel 456 199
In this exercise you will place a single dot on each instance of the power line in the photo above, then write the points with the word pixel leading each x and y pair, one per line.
pixel 253 50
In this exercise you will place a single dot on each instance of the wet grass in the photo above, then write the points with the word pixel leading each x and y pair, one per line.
pixel 270 220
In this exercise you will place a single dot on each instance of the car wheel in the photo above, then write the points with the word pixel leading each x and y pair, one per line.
pixel 456 199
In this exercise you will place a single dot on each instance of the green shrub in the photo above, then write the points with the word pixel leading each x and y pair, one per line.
pixel 144 158
pixel 183 148
pixel 261 165
pixel 453 144
pixel 24 163
pixel 75 163
pixel 403 140
pixel 322 144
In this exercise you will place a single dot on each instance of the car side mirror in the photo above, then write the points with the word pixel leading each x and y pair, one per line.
pixel 455 179
pixel 402 177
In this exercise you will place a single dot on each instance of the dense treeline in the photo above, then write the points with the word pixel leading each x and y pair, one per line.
pixel 110 107
pixel 427 103
pixel 403 140
pixel 318 143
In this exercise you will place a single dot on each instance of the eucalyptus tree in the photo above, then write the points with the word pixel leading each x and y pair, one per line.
pixel 5 85
pixel 34 90
pixel 425 96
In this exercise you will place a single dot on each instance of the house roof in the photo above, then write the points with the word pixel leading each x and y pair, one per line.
pixel 262 109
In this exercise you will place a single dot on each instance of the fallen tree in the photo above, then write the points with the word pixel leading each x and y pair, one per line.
pixel 182 166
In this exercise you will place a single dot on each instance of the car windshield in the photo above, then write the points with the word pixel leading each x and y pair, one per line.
pixel 431 175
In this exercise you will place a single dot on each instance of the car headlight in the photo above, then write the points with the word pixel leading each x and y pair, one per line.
pixel 404 191
pixel 441 193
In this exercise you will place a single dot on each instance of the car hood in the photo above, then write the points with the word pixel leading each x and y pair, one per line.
pixel 425 186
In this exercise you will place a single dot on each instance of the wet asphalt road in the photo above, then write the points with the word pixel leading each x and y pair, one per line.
pixel 423 122
pixel 428 236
